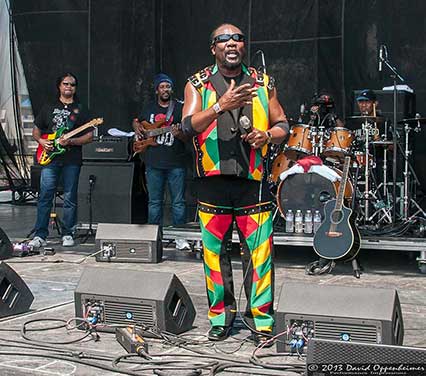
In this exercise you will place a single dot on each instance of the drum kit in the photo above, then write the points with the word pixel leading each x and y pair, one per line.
pixel 369 191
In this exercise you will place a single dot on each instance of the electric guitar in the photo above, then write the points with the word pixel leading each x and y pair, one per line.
pixel 151 131
pixel 44 157
pixel 337 237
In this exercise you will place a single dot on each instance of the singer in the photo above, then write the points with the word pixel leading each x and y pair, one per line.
pixel 229 169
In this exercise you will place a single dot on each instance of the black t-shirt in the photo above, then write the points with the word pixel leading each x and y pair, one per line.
pixel 170 151
pixel 56 115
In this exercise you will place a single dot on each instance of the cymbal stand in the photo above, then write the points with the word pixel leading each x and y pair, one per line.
pixel 366 131
pixel 408 172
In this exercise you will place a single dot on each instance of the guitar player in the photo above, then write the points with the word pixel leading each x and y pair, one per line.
pixel 64 114
pixel 165 158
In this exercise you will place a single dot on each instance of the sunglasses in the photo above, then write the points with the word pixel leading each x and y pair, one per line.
pixel 225 37
pixel 69 84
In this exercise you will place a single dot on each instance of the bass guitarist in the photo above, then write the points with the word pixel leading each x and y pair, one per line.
pixel 64 114
pixel 164 155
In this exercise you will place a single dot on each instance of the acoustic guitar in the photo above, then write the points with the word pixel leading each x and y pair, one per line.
pixel 44 157
pixel 337 238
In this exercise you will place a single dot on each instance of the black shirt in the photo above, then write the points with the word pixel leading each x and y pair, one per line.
pixel 56 115
pixel 170 151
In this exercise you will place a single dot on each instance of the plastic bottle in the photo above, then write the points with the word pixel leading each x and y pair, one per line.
pixel 308 222
pixel 298 222
pixel 289 221
pixel 317 220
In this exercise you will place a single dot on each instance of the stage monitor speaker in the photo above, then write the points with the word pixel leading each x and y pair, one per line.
pixel 6 247
pixel 111 297
pixel 406 103
pixel 338 313
pixel 128 243
pixel 326 357
pixel 109 185
pixel 15 295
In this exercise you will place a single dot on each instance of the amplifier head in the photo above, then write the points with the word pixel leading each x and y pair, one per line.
pixel 128 243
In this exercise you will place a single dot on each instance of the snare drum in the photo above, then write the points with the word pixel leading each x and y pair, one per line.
pixel 298 144
pixel 309 191
pixel 280 164
pixel 339 143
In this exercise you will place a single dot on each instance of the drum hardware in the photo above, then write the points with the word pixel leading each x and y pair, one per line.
pixel 408 169
pixel 386 144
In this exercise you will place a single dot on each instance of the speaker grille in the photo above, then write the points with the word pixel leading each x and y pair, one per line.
pixel 363 333
pixel 118 313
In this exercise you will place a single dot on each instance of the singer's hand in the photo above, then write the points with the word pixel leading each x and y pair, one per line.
pixel 257 138
pixel 237 96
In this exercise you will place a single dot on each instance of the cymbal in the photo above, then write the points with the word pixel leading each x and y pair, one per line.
pixel 382 143
pixel 413 121
pixel 362 119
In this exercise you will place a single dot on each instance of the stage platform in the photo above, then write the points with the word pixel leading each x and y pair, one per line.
pixel 53 279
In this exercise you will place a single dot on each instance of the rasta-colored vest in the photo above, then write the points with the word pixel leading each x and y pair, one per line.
pixel 219 150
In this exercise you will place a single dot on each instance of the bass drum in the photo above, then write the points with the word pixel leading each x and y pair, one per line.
pixel 308 191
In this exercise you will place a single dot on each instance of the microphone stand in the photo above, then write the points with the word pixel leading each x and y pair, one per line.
pixel 395 75
pixel 90 231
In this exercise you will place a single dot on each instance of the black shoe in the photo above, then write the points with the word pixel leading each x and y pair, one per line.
pixel 219 333
pixel 262 338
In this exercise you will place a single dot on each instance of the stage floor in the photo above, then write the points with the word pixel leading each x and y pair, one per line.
pixel 52 280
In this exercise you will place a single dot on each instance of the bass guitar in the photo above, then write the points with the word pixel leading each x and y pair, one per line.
pixel 337 237
pixel 152 130
pixel 44 157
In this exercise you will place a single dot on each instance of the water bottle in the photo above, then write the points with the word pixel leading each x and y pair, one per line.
pixel 289 218
pixel 317 220
pixel 298 222
pixel 308 222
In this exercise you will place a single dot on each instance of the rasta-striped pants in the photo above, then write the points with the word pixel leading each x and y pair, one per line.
pixel 218 210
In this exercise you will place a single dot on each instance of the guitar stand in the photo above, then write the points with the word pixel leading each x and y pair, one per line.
pixel 357 269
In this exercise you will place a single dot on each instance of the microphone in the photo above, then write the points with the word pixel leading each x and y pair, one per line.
pixel 92 179
pixel 381 58
pixel 302 112
pixel 245 124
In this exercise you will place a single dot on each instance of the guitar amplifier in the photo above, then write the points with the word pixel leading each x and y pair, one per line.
pixel 107 149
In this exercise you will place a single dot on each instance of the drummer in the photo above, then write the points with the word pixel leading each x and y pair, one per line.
pixel 368 106
pixel 324 108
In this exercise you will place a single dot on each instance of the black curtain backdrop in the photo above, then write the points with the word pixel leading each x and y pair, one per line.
pixel 116 46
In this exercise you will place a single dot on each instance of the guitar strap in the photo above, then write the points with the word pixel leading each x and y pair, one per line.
pixel 170 109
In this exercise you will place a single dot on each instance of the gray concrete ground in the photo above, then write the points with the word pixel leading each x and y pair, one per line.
pixel 52 280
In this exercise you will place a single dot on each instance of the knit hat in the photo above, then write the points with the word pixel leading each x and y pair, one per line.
pixel 161 77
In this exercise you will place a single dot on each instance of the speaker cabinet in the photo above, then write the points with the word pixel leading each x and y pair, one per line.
pixel 6 247
pixel 15 296
pixel 106 188
pixel 128 243
pixel 323 354
pixel 338 313
pixel 111 297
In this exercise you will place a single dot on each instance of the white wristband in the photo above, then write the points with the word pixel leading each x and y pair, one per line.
pixel 216 107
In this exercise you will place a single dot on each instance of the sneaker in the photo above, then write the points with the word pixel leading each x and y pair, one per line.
pixel 67 241
pixel 37 242
pixel 182 245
